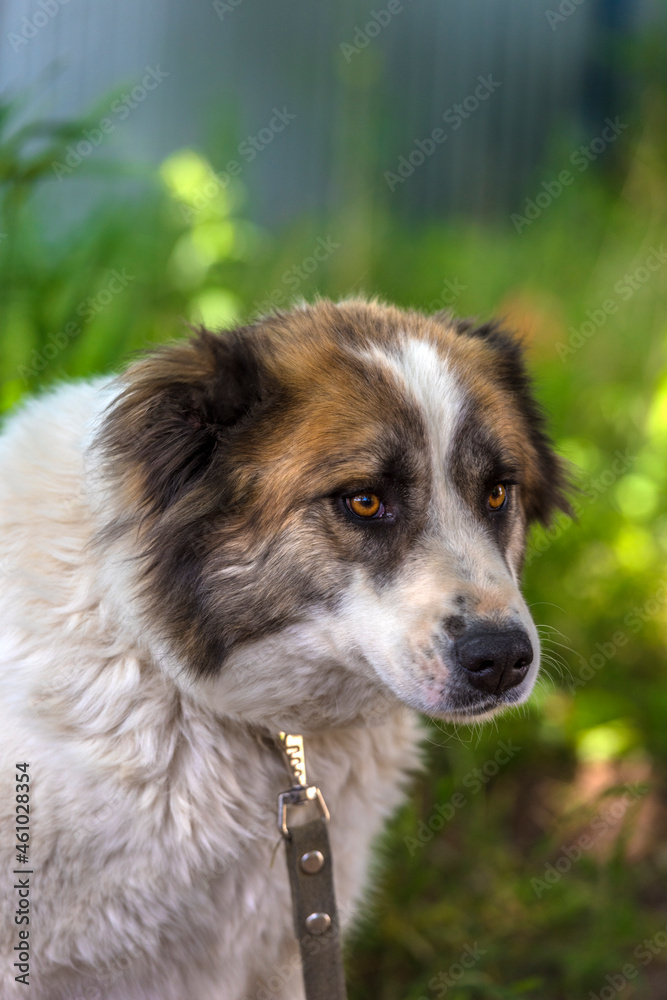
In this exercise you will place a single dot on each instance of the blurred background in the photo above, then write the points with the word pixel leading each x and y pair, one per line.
pixel 163 163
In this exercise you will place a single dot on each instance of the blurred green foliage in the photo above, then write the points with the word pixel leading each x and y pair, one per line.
pixel 480 865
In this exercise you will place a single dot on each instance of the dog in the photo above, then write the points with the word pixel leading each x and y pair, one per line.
pixel 312 524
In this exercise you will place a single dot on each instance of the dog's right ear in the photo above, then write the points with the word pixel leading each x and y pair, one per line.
pixel 175 407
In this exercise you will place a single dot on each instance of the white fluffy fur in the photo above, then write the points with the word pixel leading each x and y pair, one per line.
pixel 153 820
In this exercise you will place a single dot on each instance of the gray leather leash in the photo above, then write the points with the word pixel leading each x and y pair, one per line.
pixel 310 870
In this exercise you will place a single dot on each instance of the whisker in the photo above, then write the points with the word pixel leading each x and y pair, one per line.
pixel 552 628
pixel 547 604
pixel 556 661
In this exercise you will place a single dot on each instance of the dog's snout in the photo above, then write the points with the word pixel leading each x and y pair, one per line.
pixel 495 659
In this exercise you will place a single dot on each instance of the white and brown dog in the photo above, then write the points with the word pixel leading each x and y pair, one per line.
pixel 313 524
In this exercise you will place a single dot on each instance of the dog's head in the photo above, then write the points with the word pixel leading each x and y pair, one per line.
pixel 330 508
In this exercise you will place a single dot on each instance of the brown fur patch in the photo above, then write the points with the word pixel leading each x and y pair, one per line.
pixel 490 364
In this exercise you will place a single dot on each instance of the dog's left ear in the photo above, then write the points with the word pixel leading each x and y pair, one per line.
pixel 549 478
pixel 176 407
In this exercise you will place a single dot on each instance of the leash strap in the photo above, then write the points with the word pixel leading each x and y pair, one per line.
pixel 310 868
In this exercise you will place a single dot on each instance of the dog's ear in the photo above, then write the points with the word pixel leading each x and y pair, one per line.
pixel 549 482
pixel 174 409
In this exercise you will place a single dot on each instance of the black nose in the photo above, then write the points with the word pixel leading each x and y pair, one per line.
pixel 495 659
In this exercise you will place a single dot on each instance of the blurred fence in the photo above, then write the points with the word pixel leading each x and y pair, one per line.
pixel 438 106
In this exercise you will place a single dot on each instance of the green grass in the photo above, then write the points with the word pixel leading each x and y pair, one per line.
pixel 477 884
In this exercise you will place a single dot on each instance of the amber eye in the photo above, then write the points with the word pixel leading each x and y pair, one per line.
pixel 497 497
pixel 365 505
